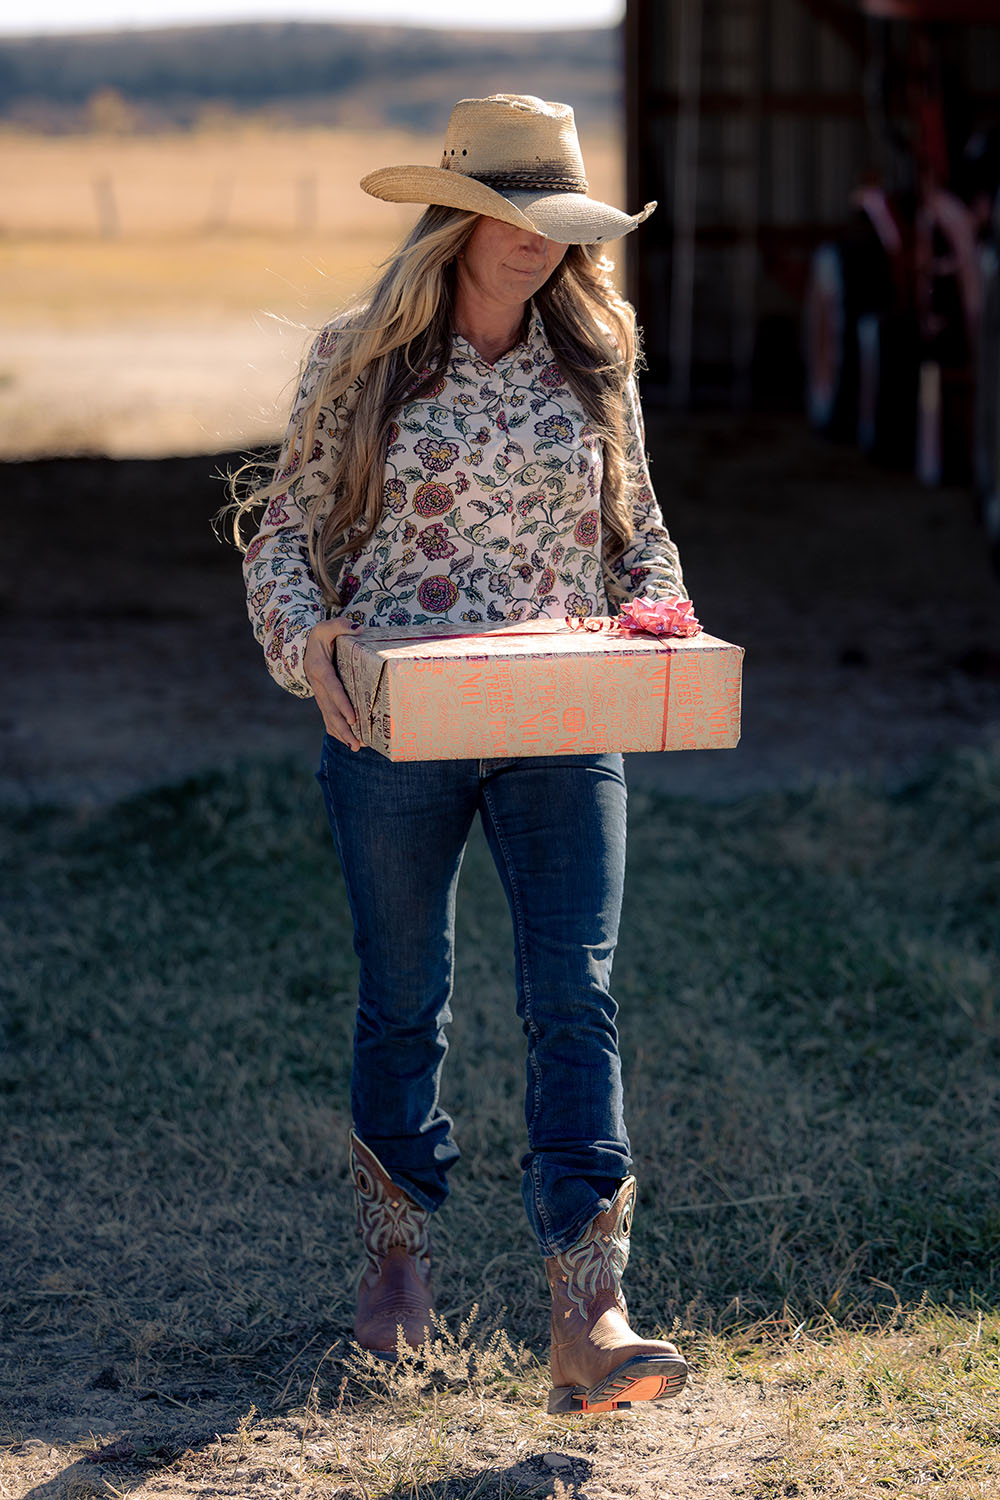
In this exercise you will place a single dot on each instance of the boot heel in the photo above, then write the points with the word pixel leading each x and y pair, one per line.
pixel 570 1400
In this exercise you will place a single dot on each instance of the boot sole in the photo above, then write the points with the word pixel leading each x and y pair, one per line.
pixel 639 1379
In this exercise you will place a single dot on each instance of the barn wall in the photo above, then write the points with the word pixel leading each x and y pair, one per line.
pixel 746 120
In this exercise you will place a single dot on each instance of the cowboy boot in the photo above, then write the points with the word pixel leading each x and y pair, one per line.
pixel 395 1290
pixel 598 1363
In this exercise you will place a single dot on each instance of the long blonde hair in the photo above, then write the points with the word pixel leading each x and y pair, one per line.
pixel 395 344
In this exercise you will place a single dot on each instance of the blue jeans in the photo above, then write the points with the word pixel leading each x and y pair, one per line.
pixel 556 829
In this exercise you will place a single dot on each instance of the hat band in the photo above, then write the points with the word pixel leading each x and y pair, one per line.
pixel 522 181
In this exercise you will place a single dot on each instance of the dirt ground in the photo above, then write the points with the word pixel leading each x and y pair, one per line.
pixel 706 1444
pixel 867 607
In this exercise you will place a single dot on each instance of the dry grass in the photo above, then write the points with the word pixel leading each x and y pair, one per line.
pixel 910 1409
pixel 89 285
pixel 174 322
pixel 143 347
pixel 209 226
pixel 810 1033
pixel 249 180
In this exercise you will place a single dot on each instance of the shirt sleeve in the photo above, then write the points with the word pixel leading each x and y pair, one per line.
pixel 284 598
pixel 651 565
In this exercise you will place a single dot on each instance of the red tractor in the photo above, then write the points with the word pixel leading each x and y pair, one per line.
pixel 902 312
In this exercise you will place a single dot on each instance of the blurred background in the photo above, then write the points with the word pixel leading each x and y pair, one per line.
pixel 818 288
pixel 179 203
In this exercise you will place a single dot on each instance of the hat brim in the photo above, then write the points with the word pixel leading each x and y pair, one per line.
pixel 569 218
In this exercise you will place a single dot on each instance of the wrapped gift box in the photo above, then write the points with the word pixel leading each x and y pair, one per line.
pixel 538 688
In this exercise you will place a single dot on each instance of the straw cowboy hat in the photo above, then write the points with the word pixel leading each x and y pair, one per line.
pixel 516 158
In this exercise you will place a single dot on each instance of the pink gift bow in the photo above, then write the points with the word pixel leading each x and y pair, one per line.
pixel 671 616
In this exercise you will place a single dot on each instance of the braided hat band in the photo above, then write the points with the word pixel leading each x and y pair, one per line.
pixel 516 158
pixel 524 181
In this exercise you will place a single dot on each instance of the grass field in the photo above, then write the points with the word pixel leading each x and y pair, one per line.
pixel 204 225
pixel 810 1031
pixel 250 179
pixel 157 291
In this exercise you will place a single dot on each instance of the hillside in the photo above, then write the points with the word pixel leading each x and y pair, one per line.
pixel 297 71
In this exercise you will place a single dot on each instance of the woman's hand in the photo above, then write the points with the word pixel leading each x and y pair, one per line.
pixel 321 675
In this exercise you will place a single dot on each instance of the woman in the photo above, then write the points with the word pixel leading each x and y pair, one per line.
pixel 466 447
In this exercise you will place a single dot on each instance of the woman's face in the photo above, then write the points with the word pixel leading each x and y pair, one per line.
pixel 504 265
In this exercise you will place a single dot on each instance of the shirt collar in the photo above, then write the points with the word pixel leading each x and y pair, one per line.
pixel 534 336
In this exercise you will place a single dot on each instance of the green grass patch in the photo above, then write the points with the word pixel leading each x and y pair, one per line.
pixel 809 1025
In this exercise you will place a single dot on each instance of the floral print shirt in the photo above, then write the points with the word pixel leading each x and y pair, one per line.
pixel 492 510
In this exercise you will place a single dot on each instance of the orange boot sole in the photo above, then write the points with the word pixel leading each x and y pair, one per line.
pixel 638 1379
